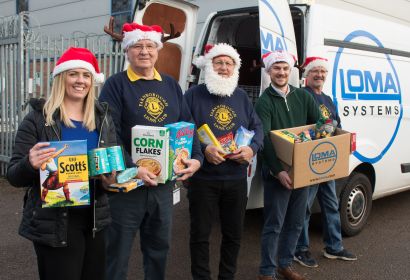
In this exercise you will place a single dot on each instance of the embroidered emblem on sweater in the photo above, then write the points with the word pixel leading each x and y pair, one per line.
pixel 325 111
pixel 224 116
pixel 154 106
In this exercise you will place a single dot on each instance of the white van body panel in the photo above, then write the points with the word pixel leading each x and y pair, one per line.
pixel 382 130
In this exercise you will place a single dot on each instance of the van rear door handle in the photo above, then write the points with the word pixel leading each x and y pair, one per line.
pixel 405 167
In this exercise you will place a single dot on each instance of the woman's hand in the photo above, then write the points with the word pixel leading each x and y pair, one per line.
pixel 147 176
pixel 39 154
pixel 242 155
pixel 107 180
pixel 214 155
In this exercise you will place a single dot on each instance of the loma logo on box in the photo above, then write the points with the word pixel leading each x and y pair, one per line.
pixel 323 158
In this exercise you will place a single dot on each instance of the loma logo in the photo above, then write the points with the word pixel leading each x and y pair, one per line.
pixel 272 34
pixel 323 158
pixel 365 87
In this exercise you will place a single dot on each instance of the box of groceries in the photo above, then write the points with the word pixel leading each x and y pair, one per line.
pixel 150 149
pixel 181 137
pixel 312 160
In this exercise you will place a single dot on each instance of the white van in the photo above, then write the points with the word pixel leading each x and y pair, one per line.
pixel 368 46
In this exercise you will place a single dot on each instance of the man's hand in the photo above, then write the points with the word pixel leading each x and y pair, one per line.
pixel 148 177
pixel 242 155
pixel 214 155
pixel 192 165
pixel 285 180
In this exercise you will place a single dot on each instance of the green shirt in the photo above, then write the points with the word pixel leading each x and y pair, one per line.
pixel 298 108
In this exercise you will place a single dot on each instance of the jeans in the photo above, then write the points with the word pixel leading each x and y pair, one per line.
pixel 329 205
pixel 284 212
pixel 149 211
pixel 206 197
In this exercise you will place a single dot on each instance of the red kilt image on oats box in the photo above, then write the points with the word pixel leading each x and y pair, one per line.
pixel 181 137
pixel 64 176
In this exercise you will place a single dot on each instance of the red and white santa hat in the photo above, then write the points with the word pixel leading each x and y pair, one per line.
pixel 79 58
pixel 314 61
pixel 270 58
pixel 212 51
pixel 133 32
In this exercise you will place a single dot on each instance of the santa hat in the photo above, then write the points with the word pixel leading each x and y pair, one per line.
pixel 133 32
pixel 79 58
pixel 270 58
pixel 312 62
pixel 212 51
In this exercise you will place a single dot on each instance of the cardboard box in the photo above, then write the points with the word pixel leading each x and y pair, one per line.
pixel 150 149
pixel 314 161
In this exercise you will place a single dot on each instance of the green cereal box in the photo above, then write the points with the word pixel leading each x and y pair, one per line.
pixel 150 149
pixel 181 137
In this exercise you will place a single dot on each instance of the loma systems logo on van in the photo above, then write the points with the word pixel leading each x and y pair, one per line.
pixel 365 87
pixel 322 158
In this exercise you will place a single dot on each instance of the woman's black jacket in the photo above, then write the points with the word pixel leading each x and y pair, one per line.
pixel 49 225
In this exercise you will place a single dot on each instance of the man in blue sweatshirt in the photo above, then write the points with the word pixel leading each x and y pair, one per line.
pixel 316 73
pixel 142 96
pixel 220 186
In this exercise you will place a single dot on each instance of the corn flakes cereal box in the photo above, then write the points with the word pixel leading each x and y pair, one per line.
pixel 181 137
pixel 150 149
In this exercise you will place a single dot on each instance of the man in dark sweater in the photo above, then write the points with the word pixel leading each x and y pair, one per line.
pixel 221 183
pixel 142 96
pixel 281 106
pixel 316 73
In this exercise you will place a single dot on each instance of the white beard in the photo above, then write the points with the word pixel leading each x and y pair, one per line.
pixel 218 85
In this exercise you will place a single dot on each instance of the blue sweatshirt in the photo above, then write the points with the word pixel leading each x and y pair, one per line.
pixel 224 115
pixel 145 102
pixel 326 105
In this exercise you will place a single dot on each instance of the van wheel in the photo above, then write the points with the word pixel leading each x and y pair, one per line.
pixel 355 204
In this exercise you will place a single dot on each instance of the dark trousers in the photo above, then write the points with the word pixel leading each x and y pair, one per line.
pixel 83 258
pixel 149 211
pixel 205 198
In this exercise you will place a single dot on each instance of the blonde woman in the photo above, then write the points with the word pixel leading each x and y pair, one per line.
pixel 69 241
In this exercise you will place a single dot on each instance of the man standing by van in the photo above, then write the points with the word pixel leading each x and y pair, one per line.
pixel 316 73
pixel 142 96
pixel 281 106
pixel 220 185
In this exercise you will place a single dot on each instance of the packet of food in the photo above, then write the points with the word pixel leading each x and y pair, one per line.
pixel 228 143
pixel 243 137
pixel 207 137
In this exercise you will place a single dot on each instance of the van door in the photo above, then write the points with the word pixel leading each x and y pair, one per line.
pixel 277 33
pixel 175 57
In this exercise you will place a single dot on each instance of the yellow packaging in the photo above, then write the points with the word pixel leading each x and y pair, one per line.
pixel 207 137
pixel 288 136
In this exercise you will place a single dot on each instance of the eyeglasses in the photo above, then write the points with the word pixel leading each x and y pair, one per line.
pixel 317 72
pixel 139 48
pixel 220 63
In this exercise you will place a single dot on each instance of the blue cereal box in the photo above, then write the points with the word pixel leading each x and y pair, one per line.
pixel 181 137
pixel 64 176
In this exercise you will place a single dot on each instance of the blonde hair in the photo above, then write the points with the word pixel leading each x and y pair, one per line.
pixel 56 101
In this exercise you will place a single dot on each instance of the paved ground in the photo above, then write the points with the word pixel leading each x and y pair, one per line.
pixel 383 247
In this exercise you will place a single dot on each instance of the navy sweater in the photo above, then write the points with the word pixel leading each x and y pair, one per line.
pixel 326 105
pixel 145 102
pixel 224 115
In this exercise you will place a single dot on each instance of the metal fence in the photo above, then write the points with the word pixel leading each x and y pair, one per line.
pixel 27 60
